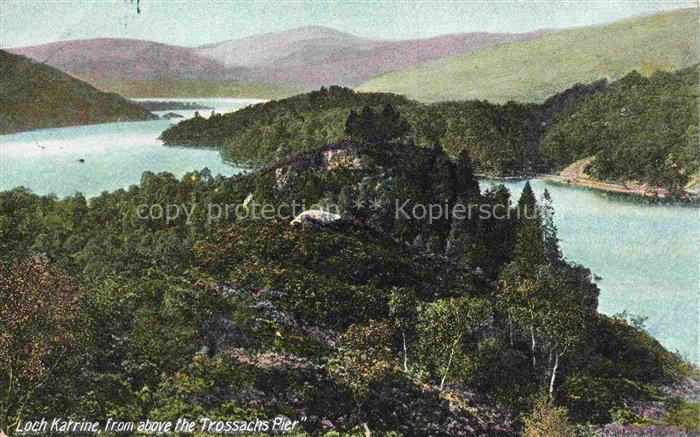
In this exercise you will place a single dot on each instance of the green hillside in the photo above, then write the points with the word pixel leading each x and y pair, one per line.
pixel 639 128
pixel 36 96
pixel 374 320
pixel 189 88
pixel 267 132
pixel 534 70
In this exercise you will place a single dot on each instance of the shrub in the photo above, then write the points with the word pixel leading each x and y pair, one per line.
pixel 548 420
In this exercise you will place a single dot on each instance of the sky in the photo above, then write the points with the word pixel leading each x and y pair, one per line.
pixel 198 22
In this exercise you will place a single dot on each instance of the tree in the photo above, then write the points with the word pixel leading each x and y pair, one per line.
pixel 548 420
pixel 635 129
pixel 520 295
pixel 391 125
pixel 362 126
pixel 444 325
pixel 521 301
pixel 38 313
pixel 549 229
pixel 364 357
pixel 352 125
pixel 403 307
pixel 562 317
pixel 463 245
pixel 495 231
pixel 529 241
pixel 371 127
pixel 442 173
pixel 552 309
pixel 467 183
pixel 430 126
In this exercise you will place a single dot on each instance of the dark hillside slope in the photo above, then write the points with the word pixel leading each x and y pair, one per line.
pixel 536 123
pixel 266 132
pixel 128 59
pixel 640 128
pixel 36 96
pixel 368 320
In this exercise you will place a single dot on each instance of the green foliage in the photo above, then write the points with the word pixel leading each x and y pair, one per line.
pixel 267 132
pixel 551 307
pixel 384 126
pixel 490 133
pixel 684 415
pixel 593 399
pixel 239 318
pixel 640 128
pixel 199 377
pixel 444 326
pixel 549 229
pixel 38 309
pixel 624 363
pixel 533 70
pixel 528 251
pixel 634 354
pixel 364 358
pixel 548 420
pixel 403 310
pixel 65 101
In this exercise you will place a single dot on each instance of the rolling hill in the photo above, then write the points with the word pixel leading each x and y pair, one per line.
pixel 268 48
pixel 128 59
pixel 309 57
pixel 269 65
pixel 137 68
pixel 533 70
pixel 35 96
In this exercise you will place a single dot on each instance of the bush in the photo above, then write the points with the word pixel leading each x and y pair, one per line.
pixel 548 420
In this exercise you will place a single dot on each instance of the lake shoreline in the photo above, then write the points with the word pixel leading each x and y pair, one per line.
pixel 115 155
pixel 643 254
pixel 650 194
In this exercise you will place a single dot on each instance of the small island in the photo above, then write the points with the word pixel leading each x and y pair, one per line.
pixel 170 115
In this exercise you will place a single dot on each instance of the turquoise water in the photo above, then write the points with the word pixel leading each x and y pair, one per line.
pixel 115 155
pixel 646 255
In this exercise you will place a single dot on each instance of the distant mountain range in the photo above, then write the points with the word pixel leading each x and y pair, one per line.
pixel 128 59
pixel 302 58
pixel 536 69
pixel 35 96
pixel 309 57
pixel 495 66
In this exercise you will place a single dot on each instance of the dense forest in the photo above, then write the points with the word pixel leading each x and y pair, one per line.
pixel 638 128
pixel 372 321
pixel 267 132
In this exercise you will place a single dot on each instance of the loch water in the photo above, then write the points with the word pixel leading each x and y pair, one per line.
pixel 645 256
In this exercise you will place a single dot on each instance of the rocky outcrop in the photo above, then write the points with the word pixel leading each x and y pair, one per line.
pixel 341 158
pixel 316 216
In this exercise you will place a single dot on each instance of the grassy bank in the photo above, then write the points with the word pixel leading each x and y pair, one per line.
pixel 534 70
pixel 190 88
